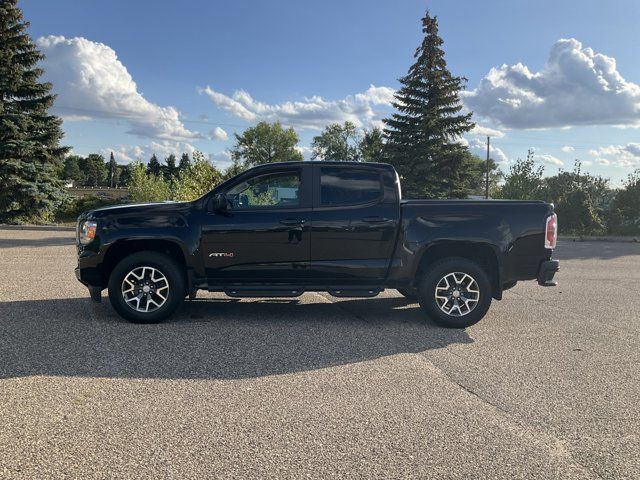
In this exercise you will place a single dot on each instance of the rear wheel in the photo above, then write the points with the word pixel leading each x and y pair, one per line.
pixel 455 292
pixel 146 287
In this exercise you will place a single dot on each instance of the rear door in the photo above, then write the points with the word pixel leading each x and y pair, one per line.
pixel 264 235
pixel 354 225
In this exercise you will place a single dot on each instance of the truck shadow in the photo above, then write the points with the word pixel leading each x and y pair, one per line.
pixel 215 338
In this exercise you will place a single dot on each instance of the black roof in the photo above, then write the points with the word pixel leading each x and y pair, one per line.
pixel 326 162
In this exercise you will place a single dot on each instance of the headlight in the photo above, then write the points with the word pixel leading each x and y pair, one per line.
pixel 87 232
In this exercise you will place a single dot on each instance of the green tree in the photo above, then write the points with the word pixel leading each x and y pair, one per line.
pixel 422 137
pixel 71 170
pixel 337 142
pixel 30 151
pixel 372 145
pixel 197 180
pixel 524 180
pixel 124 174
pixel 154 167
pixel 185 162
pixel 234 169
pixel 94 169
pixel 266 143
pixel 113 172
pixel 478 168
pixel 625 209
pixel 170 169
pixel 581 200
pixel 145 187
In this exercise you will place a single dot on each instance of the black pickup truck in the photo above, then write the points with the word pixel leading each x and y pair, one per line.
pixel 281 229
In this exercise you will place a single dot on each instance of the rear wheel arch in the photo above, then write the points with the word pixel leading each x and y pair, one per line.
pixel 483 254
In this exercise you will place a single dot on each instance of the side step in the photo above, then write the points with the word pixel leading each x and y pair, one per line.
pixel 240 292
pixel 355 292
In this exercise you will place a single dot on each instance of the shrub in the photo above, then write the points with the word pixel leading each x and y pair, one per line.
pixel 147 188
pixel 624 218
pixel 71 207
pixel 199 178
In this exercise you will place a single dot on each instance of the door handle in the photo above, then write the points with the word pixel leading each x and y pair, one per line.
pixel 375 219
pixel 292 221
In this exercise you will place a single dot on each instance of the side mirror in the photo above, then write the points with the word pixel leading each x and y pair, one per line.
pixel 219 203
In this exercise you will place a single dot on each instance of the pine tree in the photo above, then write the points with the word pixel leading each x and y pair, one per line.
pixel 30 152
pixel 153 167
pixel 170 169
pixel 113 171
pixel 185 162
pixel 423 136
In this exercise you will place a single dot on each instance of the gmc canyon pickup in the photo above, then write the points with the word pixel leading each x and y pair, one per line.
pixel 281 229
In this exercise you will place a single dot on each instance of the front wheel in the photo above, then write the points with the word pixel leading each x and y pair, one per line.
pixel 146 287
pixel 455 292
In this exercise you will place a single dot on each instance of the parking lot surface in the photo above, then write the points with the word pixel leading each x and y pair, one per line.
pixel 546 386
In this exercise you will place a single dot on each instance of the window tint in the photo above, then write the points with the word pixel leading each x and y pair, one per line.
pixel 270 190
pixel 342 186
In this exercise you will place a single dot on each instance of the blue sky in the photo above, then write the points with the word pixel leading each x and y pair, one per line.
pixel 141 77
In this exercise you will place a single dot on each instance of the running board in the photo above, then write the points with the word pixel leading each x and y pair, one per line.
pixel 263 292
pixel 354 292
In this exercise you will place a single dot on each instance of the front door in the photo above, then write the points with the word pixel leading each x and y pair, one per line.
pixel 264 235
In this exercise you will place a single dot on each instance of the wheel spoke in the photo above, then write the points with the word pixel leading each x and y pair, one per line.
pixel 457 293
pixel 145 289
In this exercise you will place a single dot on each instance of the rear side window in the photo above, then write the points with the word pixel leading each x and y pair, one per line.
pixel 348 186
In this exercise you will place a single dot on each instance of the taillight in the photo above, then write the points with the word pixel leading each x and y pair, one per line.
pixel 551 232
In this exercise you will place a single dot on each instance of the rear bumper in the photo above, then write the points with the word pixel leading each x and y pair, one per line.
pixel 546 273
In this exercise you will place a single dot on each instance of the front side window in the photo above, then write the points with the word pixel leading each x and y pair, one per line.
pixel 272 190
pixel 344 186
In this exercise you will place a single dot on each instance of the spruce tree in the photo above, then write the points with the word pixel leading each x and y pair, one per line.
pixel 170 169
pixel 113 171
pixel 185 162
pixel 154 167
pixel 30 152
pixel 423 135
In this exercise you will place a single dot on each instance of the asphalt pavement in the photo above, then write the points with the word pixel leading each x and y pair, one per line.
pixel 546 386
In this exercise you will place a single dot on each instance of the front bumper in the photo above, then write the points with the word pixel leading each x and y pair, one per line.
pixel 546 273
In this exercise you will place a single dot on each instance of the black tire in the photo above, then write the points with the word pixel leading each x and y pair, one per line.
pixel 442 268
pixel 410 293
pixel 166 266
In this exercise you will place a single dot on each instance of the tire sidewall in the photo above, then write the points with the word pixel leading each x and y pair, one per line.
pixel 435 273
pixel 162 263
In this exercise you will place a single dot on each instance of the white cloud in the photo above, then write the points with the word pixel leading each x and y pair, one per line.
pixel 91 82
pixel 577 86
pixel 486 132
pixel 478 147
pixel 314 112
pixel 567 149
pixel 550 159
pixel 218 134
pixel 625 156
pixel 603 161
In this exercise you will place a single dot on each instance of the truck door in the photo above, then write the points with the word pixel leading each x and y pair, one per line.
pixel 264 235
pixel 354 224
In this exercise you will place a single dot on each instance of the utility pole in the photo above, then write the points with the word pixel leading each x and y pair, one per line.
pixel 486 186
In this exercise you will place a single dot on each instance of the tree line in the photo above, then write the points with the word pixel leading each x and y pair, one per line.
pixel 93 170
pixel 586 204
pixel 422 139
